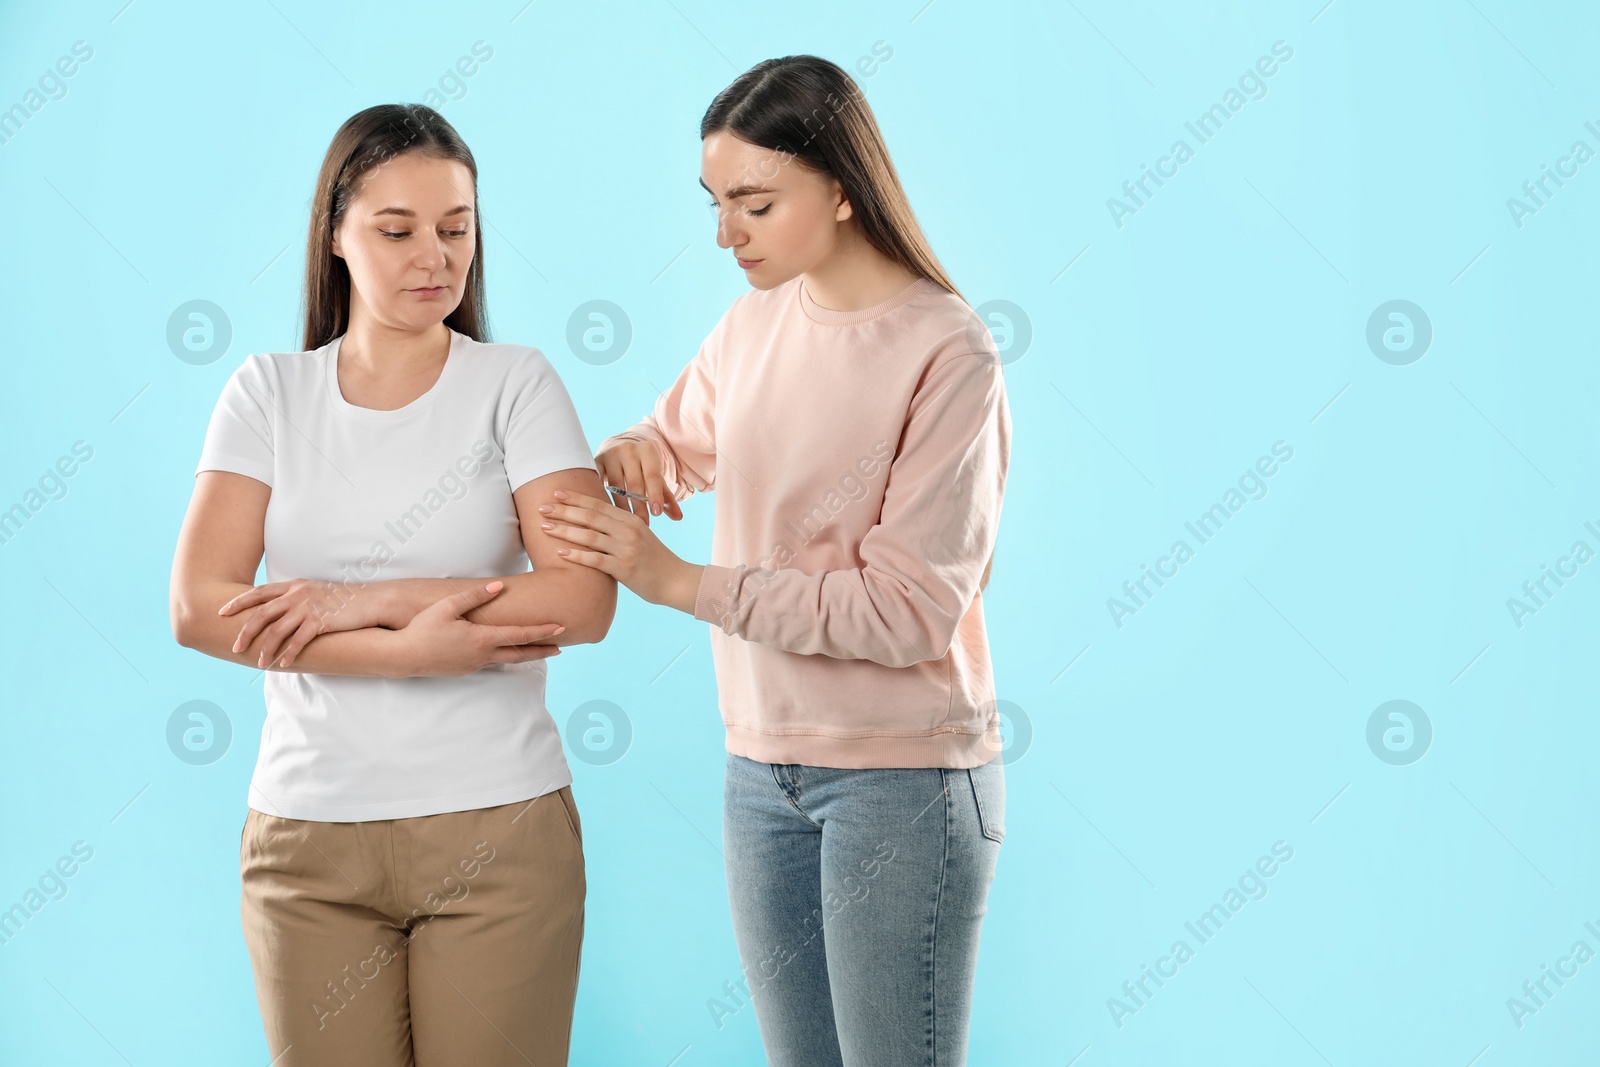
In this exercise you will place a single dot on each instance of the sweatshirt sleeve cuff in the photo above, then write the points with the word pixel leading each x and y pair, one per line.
pixel 714 600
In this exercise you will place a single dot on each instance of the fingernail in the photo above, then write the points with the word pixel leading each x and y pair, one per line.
pixel 560 494
pixel 558 630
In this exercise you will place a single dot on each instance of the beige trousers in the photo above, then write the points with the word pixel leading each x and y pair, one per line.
pixel 424 942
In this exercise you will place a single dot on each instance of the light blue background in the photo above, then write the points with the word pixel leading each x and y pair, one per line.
pixel 1166 355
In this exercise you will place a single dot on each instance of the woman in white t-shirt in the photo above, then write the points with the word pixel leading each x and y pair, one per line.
pixel 411 860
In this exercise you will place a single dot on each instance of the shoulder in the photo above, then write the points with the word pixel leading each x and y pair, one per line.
pixel 942 329
pixel 279 373
pixel 517 378
pixel 941 317
pixel 506 361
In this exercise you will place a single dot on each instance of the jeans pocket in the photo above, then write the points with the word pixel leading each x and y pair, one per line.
pixel 989 793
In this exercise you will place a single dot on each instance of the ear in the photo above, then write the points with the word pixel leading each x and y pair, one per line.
pixel 335 247
pixel 842 210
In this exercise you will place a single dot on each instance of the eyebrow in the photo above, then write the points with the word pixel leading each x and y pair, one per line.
pixel 735 193
pixel 408 213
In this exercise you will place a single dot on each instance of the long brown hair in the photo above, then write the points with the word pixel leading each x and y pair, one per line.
pixel 367 140
pixel 810 110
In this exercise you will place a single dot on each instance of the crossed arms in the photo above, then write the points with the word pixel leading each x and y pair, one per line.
pixel 404 627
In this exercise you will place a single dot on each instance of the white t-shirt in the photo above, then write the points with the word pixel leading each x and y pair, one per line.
pixel 424 491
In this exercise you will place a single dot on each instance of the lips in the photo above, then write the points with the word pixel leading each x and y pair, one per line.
pixel 748 263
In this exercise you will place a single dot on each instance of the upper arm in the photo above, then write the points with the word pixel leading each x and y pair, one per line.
pixel 221 540
pixel 596 586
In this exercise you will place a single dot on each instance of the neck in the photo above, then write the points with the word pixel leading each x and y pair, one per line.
pixel 385 349
pixel 855 275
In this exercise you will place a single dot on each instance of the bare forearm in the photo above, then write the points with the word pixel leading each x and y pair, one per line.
pixel 364 652
pixel 580 601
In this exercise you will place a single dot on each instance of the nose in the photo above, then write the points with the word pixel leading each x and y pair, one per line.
pixel 430 252
pixel 729 235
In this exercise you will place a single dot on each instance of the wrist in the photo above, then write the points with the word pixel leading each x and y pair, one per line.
pixel 687 588
pixel 389 608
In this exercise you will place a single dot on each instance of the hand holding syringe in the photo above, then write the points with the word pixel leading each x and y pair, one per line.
pixel 631 470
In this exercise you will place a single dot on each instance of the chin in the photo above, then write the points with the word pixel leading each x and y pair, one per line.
pixel 765 280
pixel 424 316
pixel 420 318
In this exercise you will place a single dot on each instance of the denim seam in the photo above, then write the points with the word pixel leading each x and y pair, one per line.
pixel 933 961
pixel 784 790
pixel 984 819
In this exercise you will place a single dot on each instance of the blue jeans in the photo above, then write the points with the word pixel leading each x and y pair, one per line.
pixel 857 897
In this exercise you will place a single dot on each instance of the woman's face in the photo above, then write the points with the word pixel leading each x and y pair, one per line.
pixel 780 218
pixel 407 237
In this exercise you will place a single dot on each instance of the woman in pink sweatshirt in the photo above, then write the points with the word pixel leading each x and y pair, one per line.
pixel 851 414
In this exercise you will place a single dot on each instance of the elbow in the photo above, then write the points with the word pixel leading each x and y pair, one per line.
pixel 902 658
pixel 595 623
pixel 899 652
pixel 912 623
pixel 932 646
pixel 182 626
pixel 588 632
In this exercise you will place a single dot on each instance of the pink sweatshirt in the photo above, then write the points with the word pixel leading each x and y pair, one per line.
pixel 859 459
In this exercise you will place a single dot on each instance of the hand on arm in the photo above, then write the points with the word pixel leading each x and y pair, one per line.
pixel 219 549
pixel 557 591
pixel 197 624
pixel 619 543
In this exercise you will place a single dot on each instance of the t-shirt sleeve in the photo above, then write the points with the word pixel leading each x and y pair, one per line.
pixel 239 437
pixel 542 433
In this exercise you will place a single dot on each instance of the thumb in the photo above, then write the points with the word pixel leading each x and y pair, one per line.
pixel 463 602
